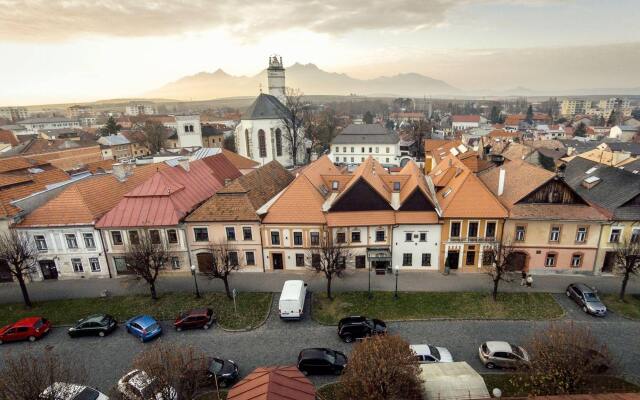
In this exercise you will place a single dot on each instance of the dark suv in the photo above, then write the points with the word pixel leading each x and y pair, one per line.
pixel 358 327
pixel 194 319
pixel 321 361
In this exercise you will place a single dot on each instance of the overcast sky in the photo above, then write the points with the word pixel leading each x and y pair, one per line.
pixel 72 50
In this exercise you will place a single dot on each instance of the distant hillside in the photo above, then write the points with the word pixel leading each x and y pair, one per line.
pixel 308 78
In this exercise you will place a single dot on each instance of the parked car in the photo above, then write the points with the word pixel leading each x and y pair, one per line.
pixel 426 353
pixel 137 385
pixel 195 319
pixel 586 298
pixel 145 327
pixel 359 327
pixel 30 328
pixel 317 361
pixel 502 354
pixel 71 391
pixel 99 324
pixel 291 303
pixel 223 371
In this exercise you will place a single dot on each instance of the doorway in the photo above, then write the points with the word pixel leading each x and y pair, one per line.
pixel 380 267
pixel 5 272
pixel 205 262
pixel 453 259
pixel 609 262
pixel 276 260
pixel 48 268
pixel 517 261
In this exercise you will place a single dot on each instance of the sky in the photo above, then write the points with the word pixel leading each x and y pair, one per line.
pixel 56 51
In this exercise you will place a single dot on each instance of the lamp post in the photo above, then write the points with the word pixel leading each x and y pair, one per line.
pixel 369 281
pixel 396 271
pixel 195 280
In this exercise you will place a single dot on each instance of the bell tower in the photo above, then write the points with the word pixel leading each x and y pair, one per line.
pixel 275 77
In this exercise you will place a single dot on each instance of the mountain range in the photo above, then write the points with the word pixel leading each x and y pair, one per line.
pixel 310 79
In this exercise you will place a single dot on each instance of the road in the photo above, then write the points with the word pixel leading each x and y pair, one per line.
pixel 278 342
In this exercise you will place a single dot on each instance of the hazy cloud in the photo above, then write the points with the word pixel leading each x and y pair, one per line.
pixel 53 20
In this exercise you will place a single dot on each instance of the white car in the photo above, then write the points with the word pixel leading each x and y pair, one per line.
pixel 137 385
pixel 427 353
pixel 70 391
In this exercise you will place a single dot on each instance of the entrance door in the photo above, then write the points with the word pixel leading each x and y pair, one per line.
pixel 5 272
pixel 517 261
pixel 276 259
pixel 48 268
pixel 609 262
pixel 453 259
pixel 205 261
pixel 380 267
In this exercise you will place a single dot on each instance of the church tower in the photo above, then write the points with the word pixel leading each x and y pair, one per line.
pixel 275 77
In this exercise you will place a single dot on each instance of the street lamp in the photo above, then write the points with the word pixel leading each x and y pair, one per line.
pixel 195 280
pixel 369 281
pixel 396 271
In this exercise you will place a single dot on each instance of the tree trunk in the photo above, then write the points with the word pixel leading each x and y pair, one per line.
pixel 329 288
pixel 625 280
pixel 495 289
pixel 23 288
pixel 225 279
pixel 152 288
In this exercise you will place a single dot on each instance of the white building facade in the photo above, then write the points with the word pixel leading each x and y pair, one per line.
pixel 140 108
pixel 416 246
pixel 189 130
pixel 33 125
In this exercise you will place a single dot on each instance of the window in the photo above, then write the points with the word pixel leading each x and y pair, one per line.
pixel 41 242
pixel 408 236
pixel 487 257
pixel 455 229
pixel 250 258
pixel 133 237
pixel 337 149
pixel 379 236
pixel 426 259
pixel 233 258
pixel 172 236
pixel 201 234
pixel 370 149
pixel 315 238
pixel 353 149
pixel 490 231
pixel 635 235
pixel 231 233
pixel 396 186
pixel 377 148
pixel 262 144
pixel 278 142
pixel 355 237
pixel 581 234
pixel 72 243
pixel 120 264
pixel 246 233
pixel 340 237
pixel 576 260
pixel 550 260
pixel 275 238
pixel 94 263
pixel 154 234
pixel 473 229
pixel 116 238
pixel 387 149
pixel 614 237
pixel 387 160
pixel 297 238
pixel 423 236
pixel 299 260
pixel 315 260
pixel 407 260
pixel 77 265
pixel 471 257
pixel 175 263
pixel 554 234
pixel 352 159
pixel 520 232
pixel 89 243
pixel 360 261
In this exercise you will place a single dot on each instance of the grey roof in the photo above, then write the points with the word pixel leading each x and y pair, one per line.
pixel 616 187
pixel 113 140
pixel 366 134
pixel 632 166
pixel 633 148
pixel 46 120
pixel 581 146
pixel 266 106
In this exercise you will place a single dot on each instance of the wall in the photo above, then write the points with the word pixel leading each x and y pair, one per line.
pixel 359 152
pixel 463 244
pixel 269 127
pixel 286 246
pixel 415 246
pixel 627 227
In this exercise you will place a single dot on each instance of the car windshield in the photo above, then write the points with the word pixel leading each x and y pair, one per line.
pixel 87 394
pixel 152 327
pixel 591 297
pixel 38 324
pixel 434 352
pixel 331 356
pixel 215 366
pixel 517 351
pixel 104 320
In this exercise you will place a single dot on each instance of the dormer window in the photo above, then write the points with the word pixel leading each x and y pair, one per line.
pixel 446 192
pixel 335 185
pixel 396 186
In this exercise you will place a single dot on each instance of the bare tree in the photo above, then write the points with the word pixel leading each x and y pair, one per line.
pixel 563 356
pixel 382 368
pixel 155 136
pixel 329 259
pixel 224 260
pixel 26 376
pixel 21 255
pixel 499 264
pixel 627 262
pixel 178 371
pixel 146 258
pixel 293 122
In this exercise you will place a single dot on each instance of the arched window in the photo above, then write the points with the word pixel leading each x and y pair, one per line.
pixel 278 142
pixel 262 144
pixel 247 142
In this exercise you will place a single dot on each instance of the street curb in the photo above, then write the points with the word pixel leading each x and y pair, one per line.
pixel 264 321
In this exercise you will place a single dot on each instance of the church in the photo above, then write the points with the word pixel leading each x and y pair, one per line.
pixel 261 134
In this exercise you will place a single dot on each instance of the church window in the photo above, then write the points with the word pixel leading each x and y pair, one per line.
pixel 247 142
pixel 278 142
pixel 262 144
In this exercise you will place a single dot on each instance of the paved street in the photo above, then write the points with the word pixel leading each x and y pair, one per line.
pixel 278 342
pixel 272 282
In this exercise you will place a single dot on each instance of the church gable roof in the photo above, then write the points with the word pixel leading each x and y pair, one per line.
pixel 266 106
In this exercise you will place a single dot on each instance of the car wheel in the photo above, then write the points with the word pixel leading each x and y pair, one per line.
pixel 178 329
pixel 32 338
pixel 568 294
pixel 304 372
pixel 206 326
pixel 490 365
pixel 101 333
pixel 347 338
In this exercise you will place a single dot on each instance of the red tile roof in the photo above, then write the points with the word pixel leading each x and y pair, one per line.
pixel 273 383
pixel 19 190
pixel 465 118
pixel 8 137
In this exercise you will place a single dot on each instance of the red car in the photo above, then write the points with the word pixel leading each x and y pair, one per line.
pixel 30 328
pixel 193 319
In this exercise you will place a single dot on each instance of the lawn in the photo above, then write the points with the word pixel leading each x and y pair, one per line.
pixel 252 308
pixel 426 305
pixel 630 308
pixel 596 384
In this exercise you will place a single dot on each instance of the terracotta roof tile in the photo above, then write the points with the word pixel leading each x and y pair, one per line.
pixel 465 118
pixel 239 161
pixel 38 183
pixel 273 383
pixel 8 137
pixel 299 203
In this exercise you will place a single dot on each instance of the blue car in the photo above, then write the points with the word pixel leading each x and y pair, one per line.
pixel 145 327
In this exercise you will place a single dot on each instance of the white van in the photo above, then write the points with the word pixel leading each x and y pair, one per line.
pixel 291 305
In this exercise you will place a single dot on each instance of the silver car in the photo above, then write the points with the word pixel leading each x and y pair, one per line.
pixel 502 354
pixel 426 353
pixel 586 298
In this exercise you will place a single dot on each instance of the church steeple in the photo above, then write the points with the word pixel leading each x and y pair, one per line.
pixel 275 77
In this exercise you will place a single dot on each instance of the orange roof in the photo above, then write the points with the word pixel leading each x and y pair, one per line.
pixel 361 218
pixel 315 171
pixel 300 203
pixel 465 118
pixel 273 383
pixel 371 172
pixel 8 137
pixel 18 163
pixel 239 161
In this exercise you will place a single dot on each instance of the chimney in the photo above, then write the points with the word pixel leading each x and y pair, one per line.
pixel 570 150
pixel 184 163
pixel 121 171
pixel 501 179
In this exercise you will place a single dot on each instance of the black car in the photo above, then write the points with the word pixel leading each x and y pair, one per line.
pixel 94 325
pixel 321 361
pixel 225 372
pixel 358 327
pixel 587 298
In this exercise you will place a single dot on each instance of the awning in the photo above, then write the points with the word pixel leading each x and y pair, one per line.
pixel 378 254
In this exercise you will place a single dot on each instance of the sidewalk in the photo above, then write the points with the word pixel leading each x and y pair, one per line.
pixel 272 282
